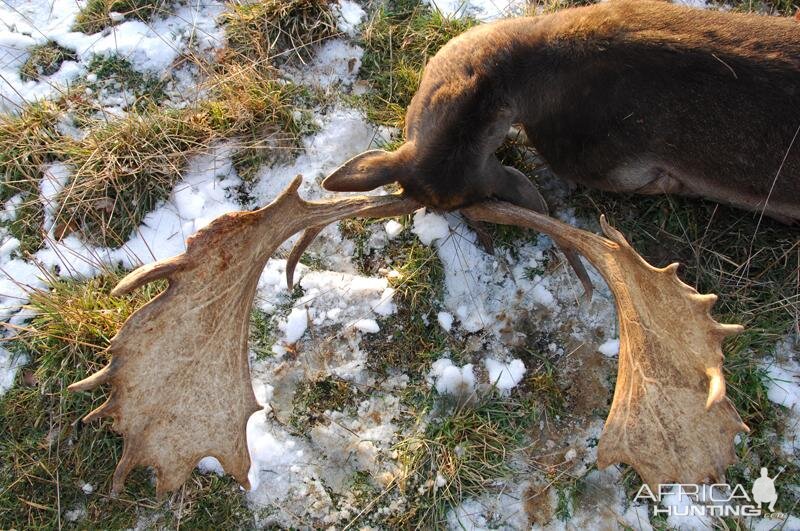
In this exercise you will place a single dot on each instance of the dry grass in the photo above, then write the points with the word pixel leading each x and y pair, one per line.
pixel 398 40
pixel 26 143
pixel 460 453
pixel 277 30
pixel 45 59
pixel 94 17
pixel 124 168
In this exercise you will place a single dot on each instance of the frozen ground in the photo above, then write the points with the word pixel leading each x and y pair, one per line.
pixel 495 304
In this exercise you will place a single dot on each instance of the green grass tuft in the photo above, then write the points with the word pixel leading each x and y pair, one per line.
pixel 312 398
pixel 465 450
pixel 46 453
pixel 94 17
pixel 398 40
pixel 117 72
pixel 44 60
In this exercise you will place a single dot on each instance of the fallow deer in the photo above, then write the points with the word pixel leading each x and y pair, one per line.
pixel 627 96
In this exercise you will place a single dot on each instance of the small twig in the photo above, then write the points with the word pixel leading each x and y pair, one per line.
pixel 726 64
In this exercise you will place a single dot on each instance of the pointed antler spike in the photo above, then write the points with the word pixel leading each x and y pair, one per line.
pixel 145 275
pixel 708 300
pixel 672 269
pixel 612 233
pixel 726 330
pixel 108 409
pixel 99 378
pixel 124 467
pixel 293 187
pixel 308 236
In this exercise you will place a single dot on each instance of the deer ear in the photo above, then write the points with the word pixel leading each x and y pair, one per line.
pixel 363 172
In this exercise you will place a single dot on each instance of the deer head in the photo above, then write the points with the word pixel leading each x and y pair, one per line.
pixel 179 375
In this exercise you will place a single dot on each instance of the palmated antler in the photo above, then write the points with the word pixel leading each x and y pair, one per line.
pixel 179 369
pixel 670 418
pixel 179 374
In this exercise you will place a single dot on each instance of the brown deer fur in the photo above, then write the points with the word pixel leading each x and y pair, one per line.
pixel 628 96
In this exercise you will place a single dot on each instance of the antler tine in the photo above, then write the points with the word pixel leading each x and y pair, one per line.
pixel 179 372
pixel 669 399
pixel 308 236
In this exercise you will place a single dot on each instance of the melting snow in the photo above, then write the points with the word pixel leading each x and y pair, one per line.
pixel 452 380
pixel 484 10
pixel 783 388
pixel 429 226
pixel 9 363
pixel 610 348
pixel 504 376
pixel 152 46
pixel 393 228
pixel 445 320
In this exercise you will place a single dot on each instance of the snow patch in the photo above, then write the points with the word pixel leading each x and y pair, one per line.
pixel 210 465
pixel 429 226
pixel 336 62
pixel 483 10
pixel 9 363
pixel 682 504
pixel 368 326
pixel 151 46
pixel 295 325
pixel 450 379
pixel 445 320
pixel 504 376
pixel 783 387
pixel 343 133
pixel 393 228
pixel 610 348
pixel 350 16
